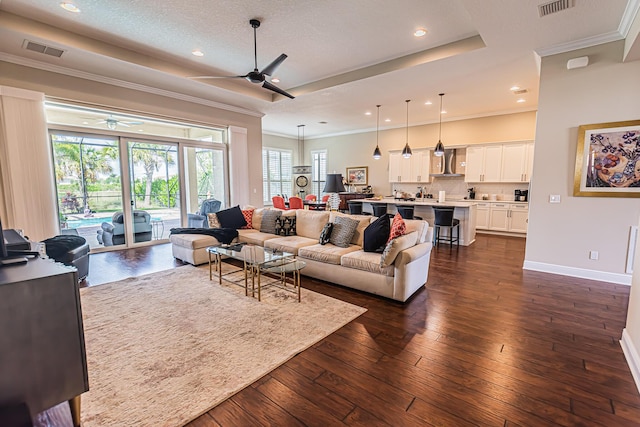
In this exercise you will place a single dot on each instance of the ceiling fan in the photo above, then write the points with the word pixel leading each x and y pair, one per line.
pixel 112 122
pixel 257 76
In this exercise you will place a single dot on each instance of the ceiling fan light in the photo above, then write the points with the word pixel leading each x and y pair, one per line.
pixel 111 124
pixel 439 150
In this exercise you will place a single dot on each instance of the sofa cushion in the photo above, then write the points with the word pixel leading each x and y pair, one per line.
pixel 212 218
pixel 248 217
pixel 376 235
pixel 398 228
pixel 343 231
pixel 418 225
pixel 268 223
pixel 289 244
pixel 366 261
pixel 231 218
pixel 395 246
pixel 326 233
pixel 310 223
pixel 363 223
pixel 254 237
pixel 193 241
pixel 327 254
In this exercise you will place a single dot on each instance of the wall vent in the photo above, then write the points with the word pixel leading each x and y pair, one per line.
pixel 40 48
pixel 520 91
pixel 554 7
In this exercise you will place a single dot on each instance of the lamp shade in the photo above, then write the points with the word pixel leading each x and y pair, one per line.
pixel 333 183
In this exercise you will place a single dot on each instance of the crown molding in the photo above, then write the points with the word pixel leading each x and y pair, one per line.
pixel 630 13
pixel 124 84
pixel 580 44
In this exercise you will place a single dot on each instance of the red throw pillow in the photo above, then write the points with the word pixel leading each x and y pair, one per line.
pixel 398 227
pixel 248 216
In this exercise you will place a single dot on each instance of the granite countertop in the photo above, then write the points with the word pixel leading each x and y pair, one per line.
pixel 460 203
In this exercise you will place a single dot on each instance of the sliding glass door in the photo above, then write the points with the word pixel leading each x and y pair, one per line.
pixel 204 177
pixel 155 189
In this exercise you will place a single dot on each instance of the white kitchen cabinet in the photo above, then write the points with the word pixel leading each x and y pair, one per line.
pixel 517 162
pixel 420 166
pixel 499 217
pixel 503 216
pixel 414 169
pixel 484 163
pixel 518 217
pixel 482 215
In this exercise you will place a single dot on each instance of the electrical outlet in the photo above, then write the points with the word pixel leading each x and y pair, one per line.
pixel 593 254
pixel 554 198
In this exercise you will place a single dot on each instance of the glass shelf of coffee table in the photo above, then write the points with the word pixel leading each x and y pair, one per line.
pixel 253 258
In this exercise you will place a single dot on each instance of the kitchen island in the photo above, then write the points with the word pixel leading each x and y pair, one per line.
pixel 465 211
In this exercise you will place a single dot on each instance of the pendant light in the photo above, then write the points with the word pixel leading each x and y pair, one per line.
pixel 406 151
pixel 376 153
pixel 439 150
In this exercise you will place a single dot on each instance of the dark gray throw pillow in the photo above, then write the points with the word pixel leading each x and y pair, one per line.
pixel 231 218
pixel 268 224
pixel 326 233
pixel 343 230
pixel 376 235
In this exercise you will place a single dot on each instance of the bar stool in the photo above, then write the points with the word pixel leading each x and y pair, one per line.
pixel 444 219
pixel 406 212
pixel 379 209
pixel 355 208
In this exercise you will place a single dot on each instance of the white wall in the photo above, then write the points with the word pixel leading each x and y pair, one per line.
pixel 561 235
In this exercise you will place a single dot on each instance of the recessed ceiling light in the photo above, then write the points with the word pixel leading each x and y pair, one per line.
pixel 197 52
pixel 514 88
pixel 368 113
pixel 69 7
pixel 520 100
pixel 85 123
pixel 443 111
pixel 140 130
pixel 420 32
pixel 275 80
pixel 428 103
pixel 387 120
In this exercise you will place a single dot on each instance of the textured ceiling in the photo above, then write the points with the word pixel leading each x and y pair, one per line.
pixel 475 50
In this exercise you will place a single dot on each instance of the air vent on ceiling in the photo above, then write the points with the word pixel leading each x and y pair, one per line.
pixel 554 6
pixel 40 48
pixel 520 91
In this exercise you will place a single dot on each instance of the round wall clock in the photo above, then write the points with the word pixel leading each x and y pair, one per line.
pixel 302 181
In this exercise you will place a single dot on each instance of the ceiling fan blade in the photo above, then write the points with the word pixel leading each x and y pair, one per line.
pixel 269 69
pixel 276 89
pixel 217 77
pixel 131 123
pixel 101 122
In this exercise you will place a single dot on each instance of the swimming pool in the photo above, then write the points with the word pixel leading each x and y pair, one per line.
pixel 86 222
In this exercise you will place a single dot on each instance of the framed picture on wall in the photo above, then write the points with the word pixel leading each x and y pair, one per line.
pixel 357 175
pixel 608 160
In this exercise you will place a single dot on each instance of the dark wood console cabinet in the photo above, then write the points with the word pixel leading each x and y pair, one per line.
pixel 345 197
pixel 42 351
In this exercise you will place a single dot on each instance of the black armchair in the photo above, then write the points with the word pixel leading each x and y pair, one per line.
pixel 113 234
pixel 200 219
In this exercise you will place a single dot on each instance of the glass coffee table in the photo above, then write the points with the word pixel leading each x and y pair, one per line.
pixel 257 260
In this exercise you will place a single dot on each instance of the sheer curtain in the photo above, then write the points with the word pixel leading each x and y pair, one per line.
pixel 27 190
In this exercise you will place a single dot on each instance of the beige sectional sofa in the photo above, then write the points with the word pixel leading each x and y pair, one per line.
pixel 404 271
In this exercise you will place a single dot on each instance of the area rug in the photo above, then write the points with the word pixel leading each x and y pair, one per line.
pixel 164 348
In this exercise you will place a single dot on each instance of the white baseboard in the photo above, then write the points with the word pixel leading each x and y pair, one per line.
pixel 604 276
pixel 630 353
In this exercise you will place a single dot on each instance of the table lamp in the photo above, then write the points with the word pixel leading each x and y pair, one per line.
pixel 333 185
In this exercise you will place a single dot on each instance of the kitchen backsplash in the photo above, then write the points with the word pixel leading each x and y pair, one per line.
pixel 456 188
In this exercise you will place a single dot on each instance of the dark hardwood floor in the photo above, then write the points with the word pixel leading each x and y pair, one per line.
pixel 484 343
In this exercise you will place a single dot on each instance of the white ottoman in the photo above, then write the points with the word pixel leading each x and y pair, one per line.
pixel 191 248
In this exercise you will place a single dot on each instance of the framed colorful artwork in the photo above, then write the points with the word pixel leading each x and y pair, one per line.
pixel 608 160
pixel 357 175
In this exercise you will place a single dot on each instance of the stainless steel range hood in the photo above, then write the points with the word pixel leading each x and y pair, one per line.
pixel 447 164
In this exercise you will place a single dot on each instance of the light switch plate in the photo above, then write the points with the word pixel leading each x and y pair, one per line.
pixel 554 198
